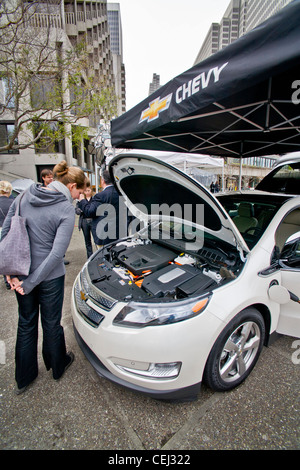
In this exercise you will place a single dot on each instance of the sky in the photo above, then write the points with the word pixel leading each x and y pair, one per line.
pixel 163 37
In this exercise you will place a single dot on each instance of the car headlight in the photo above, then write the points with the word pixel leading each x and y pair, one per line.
pixel 145 314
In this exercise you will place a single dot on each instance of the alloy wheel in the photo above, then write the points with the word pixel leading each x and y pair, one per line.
pixel 239 351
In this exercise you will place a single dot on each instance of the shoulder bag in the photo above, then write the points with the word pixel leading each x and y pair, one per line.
pixel 15 256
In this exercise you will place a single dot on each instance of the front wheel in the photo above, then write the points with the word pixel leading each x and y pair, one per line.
pixel 236 351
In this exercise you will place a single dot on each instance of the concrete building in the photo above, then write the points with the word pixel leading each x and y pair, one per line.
pixel 254 12
pixel 240 17
pixel 116 47
pixel 69 23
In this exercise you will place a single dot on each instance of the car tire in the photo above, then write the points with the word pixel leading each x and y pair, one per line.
pixel 236 351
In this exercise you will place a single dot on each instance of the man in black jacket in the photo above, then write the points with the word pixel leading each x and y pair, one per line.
pixel 104 210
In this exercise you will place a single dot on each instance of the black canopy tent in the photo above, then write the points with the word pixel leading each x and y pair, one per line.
pixel 242 101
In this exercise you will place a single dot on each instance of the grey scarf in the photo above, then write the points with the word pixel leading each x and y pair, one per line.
pixel 62 188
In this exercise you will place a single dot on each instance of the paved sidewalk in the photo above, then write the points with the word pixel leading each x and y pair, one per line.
pixel 82 411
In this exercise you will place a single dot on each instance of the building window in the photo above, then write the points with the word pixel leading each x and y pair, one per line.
pixel 52 137
pixel 6 92
pixel 6 132
pixel 78 96
pixel 45 92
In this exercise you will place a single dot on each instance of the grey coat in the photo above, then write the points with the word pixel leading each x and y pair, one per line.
pixel 50 219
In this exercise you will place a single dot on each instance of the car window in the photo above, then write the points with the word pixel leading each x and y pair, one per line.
pixel 251 216
pixel 290 255
pixel 284 179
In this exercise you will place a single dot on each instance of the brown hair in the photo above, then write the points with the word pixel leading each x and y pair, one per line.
pixel 88 186
pixel 69 174
pixel 46 172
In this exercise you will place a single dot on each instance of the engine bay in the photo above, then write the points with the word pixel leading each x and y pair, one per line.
pixel 140 270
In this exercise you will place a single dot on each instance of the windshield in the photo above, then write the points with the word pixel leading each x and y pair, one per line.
pixel 251 213
pixel 284 179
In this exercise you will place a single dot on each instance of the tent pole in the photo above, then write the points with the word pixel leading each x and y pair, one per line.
pixel 223 178
pixel 240 175
pixel 241 167
pixel 97 177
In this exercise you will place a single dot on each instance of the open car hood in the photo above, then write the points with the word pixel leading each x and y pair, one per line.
pixel 154 190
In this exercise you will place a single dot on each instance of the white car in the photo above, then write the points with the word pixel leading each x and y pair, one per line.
pixel 196 293
pixel 284 177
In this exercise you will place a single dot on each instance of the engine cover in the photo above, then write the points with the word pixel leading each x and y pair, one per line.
pixel 166 281
pixel 145 258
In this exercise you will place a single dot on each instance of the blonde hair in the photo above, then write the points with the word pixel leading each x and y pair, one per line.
pixel 69 174
pixel 5 187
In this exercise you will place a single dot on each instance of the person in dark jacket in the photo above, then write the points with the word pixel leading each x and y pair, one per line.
pixel 84 222
pixel 104 210
pixel 50 218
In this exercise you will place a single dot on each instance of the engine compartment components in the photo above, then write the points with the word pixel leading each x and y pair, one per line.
pixel 141 269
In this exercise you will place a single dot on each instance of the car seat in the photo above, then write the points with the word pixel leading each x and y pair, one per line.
pixel 289 226
pixel 245 218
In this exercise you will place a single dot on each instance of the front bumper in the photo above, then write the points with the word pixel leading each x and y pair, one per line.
pixel 123 354
pixel 186 393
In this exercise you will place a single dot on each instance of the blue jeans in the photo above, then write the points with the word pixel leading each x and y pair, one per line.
pixel 47 298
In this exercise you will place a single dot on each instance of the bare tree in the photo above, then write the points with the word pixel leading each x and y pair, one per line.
pixel 46 87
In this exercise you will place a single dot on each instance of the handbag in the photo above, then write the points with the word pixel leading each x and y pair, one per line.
pixel 15 256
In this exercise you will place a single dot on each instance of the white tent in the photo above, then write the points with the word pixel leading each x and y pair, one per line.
pixel 187 162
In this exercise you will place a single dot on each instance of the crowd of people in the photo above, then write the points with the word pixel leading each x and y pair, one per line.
pixel 214 187
pixel 50 217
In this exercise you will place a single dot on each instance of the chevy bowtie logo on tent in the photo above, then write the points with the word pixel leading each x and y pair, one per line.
pixel 155 108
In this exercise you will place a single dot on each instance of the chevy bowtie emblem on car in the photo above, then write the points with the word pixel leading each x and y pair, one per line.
pixel 155 108
pixel 82 295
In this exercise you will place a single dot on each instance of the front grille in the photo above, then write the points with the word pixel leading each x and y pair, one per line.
pixel 104 301
pixel 89 314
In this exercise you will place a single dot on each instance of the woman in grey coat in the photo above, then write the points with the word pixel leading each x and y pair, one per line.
pixel 50 217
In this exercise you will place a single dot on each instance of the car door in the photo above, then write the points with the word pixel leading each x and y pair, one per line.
pixel 289 320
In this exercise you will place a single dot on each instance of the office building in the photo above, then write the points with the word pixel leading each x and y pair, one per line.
pixel 257 11
pixel 239 18
pixel 155 84
pixel 68 25
pixel 116 47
